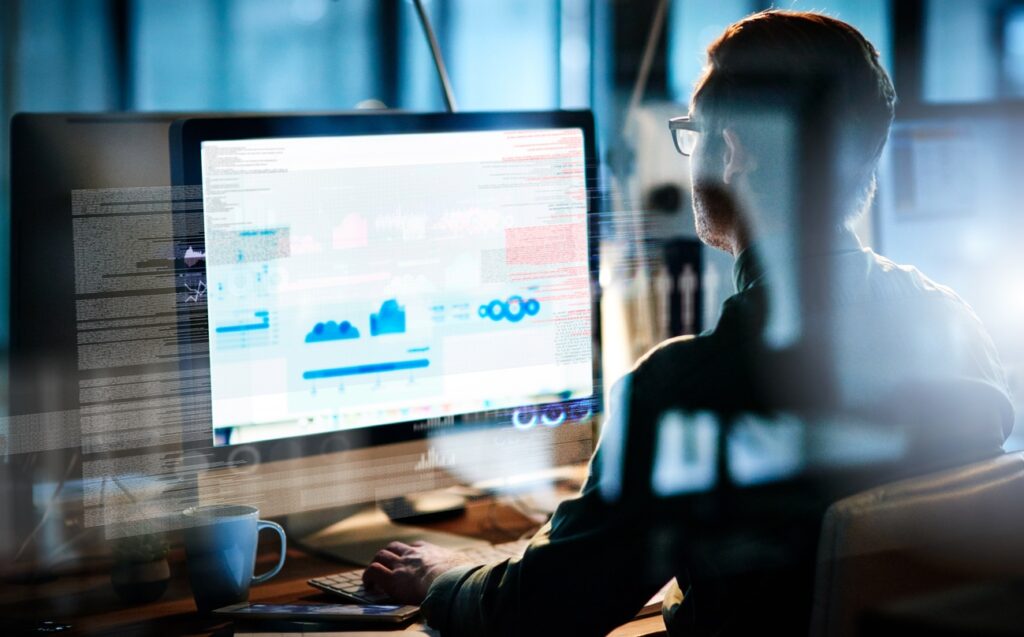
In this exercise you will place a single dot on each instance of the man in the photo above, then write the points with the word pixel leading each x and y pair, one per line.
pixel 586 571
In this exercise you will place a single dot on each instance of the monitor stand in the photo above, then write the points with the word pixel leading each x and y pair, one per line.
pixel 428 507
pixel 355 534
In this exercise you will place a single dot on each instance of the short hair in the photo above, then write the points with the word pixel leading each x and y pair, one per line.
pixel 794 46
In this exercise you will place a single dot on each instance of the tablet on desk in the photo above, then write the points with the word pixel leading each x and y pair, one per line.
pixel 354 613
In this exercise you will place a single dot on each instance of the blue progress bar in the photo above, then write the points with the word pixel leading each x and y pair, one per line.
pixel 372 368
pixel 262 325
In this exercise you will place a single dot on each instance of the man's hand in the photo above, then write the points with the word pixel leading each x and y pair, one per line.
pixel 405 571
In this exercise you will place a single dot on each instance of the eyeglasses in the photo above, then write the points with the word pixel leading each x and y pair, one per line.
pixel 684 133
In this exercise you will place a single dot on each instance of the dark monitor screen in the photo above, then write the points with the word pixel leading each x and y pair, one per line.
pixel 92 369
pixel 52 156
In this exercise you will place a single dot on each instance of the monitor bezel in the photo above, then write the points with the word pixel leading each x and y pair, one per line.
pixel 186 139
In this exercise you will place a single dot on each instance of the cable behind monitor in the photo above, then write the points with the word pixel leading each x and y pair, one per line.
pixel 435 52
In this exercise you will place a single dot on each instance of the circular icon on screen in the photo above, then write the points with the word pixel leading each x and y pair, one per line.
pixel 515 309
pixel 552 415
pixel 524 417
pixel 496 309
pixel 579 410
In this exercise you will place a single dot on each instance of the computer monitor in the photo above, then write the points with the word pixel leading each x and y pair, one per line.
pixel 418 290
pixel 79 250
pixel 949 199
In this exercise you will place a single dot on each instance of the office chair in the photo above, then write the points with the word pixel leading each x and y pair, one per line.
pixel 918 535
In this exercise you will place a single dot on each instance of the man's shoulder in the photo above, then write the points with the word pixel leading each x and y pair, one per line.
pixel 888 278
pixel 739 321
pixel 701 365
pixel 909 293
pixel 673 352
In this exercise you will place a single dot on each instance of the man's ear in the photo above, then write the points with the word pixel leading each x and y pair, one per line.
pixel 737 159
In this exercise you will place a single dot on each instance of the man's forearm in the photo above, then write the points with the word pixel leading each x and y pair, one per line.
pixel 444 607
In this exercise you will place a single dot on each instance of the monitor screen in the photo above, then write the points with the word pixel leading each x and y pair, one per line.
pixel 949 205
pixel 357 280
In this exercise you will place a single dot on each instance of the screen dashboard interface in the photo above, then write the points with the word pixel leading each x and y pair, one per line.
pixel 356 281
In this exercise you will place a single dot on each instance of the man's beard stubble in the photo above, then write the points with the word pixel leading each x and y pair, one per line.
pixel 714 215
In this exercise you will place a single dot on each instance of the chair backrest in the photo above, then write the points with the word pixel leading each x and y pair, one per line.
pixel 918 535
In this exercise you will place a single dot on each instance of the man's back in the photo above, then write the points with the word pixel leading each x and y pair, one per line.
pixel 889 329
pixel 885 309
pixel 895 327
pixel 905 351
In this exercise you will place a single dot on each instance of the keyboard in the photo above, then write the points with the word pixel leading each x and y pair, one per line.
pixel 349 585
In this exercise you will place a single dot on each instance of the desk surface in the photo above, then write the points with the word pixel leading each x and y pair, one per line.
pixel 88 602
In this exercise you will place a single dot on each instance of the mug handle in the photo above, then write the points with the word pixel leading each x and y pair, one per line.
pixel 264 524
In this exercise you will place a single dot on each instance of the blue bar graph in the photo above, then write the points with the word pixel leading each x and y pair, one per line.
pixel 370 368
pixel 264 323
pixel 389 320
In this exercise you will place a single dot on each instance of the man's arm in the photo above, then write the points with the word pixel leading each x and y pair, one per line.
pixel 588 570
pixel 579 575
pixel 582 573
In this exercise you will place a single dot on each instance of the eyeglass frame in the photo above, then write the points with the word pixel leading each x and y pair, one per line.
pixel 683 123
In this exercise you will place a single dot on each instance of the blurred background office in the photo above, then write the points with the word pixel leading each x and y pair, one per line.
pixel 958 68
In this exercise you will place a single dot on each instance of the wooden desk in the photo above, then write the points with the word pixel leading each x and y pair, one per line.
pixel 89 604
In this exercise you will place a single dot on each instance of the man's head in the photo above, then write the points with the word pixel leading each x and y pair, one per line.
pixel 758 59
